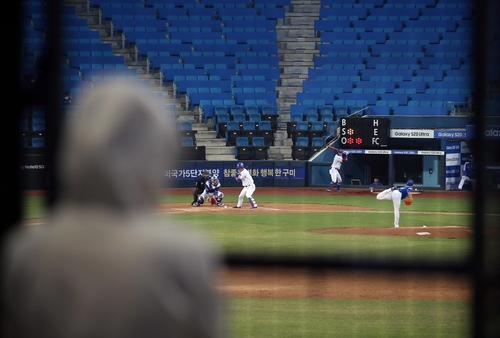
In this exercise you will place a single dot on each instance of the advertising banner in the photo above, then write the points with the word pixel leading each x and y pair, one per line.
pixel 264 173
pixel 453 162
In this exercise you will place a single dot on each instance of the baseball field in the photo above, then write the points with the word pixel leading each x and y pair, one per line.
pixel 265 302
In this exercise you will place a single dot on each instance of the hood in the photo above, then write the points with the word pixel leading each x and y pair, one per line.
pixel 115 150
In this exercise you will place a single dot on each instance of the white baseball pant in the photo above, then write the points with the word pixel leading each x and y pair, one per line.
pixel 466 179
pixel 335 175
pixel 247 192
pixel 395 196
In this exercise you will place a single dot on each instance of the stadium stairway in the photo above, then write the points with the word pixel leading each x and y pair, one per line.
pixel 297 46
pixel 205 133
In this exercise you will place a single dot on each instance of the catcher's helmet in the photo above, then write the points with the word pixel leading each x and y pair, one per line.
pixel 240 165
pixel 410 183
pixel 215 180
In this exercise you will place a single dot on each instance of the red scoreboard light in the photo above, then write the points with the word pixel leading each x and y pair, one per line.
pixel 364 132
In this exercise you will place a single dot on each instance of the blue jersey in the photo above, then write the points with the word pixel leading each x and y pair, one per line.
pixel 404 191
pixel 210 188
pixel 470 170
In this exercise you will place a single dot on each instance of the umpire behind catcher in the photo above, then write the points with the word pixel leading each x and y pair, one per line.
pixel 200 186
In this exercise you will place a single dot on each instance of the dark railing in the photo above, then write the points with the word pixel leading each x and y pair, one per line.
pixel 482 268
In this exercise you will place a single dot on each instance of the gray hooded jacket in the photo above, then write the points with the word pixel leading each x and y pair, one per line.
pixel 102 266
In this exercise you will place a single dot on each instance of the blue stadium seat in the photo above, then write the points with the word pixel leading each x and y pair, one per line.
pixel 260 149
pixel 221 124
pixel 316 144
pixel 266 131
pixel 38 142
pixel 300 148
pixel 187 142
pixel 301 130
pixel 255 117
pixel 232 132
pixel 341 111
pixel 295 118
pixel 249 129
pixel 243 150
pixel 316 129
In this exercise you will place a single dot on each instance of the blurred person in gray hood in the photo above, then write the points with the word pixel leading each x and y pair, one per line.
pixel 102 266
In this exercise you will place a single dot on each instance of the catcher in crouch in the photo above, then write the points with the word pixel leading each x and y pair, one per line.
pixel 212 191
pixel 396 195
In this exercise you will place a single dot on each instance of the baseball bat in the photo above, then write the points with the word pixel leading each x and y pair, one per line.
pixel 250 164
pixel 336 149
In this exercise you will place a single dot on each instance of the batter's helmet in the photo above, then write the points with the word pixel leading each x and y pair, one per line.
pixel 240 165
pixel 340 151
pixel 410 183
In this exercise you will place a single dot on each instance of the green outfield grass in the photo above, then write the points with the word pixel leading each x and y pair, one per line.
pixel 312 318
pixel 289 235
pixel 316 318
pixel 280 234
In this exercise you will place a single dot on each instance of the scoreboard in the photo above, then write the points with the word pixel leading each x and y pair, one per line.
pixel 364 132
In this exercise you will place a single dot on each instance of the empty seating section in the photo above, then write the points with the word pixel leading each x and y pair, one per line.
pixel 88 63
pixel 200 46
pixel 391 56
pixel 221 57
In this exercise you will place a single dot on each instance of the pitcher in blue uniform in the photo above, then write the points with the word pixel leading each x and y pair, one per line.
pixel 396 195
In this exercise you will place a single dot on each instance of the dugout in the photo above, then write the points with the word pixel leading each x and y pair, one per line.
pixel 422 160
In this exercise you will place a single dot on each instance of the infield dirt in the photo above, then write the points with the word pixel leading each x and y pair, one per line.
pixel 300 283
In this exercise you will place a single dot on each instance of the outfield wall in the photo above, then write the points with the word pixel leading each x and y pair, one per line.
pixel 356 172
pixel 429 171
pixel 265 173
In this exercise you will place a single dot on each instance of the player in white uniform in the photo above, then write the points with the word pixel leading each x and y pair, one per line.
pixel 340 157
pixel 248 186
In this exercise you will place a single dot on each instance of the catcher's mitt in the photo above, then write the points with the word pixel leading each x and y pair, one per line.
pixel 408 202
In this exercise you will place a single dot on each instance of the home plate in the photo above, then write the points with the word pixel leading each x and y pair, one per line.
pixel 423 233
